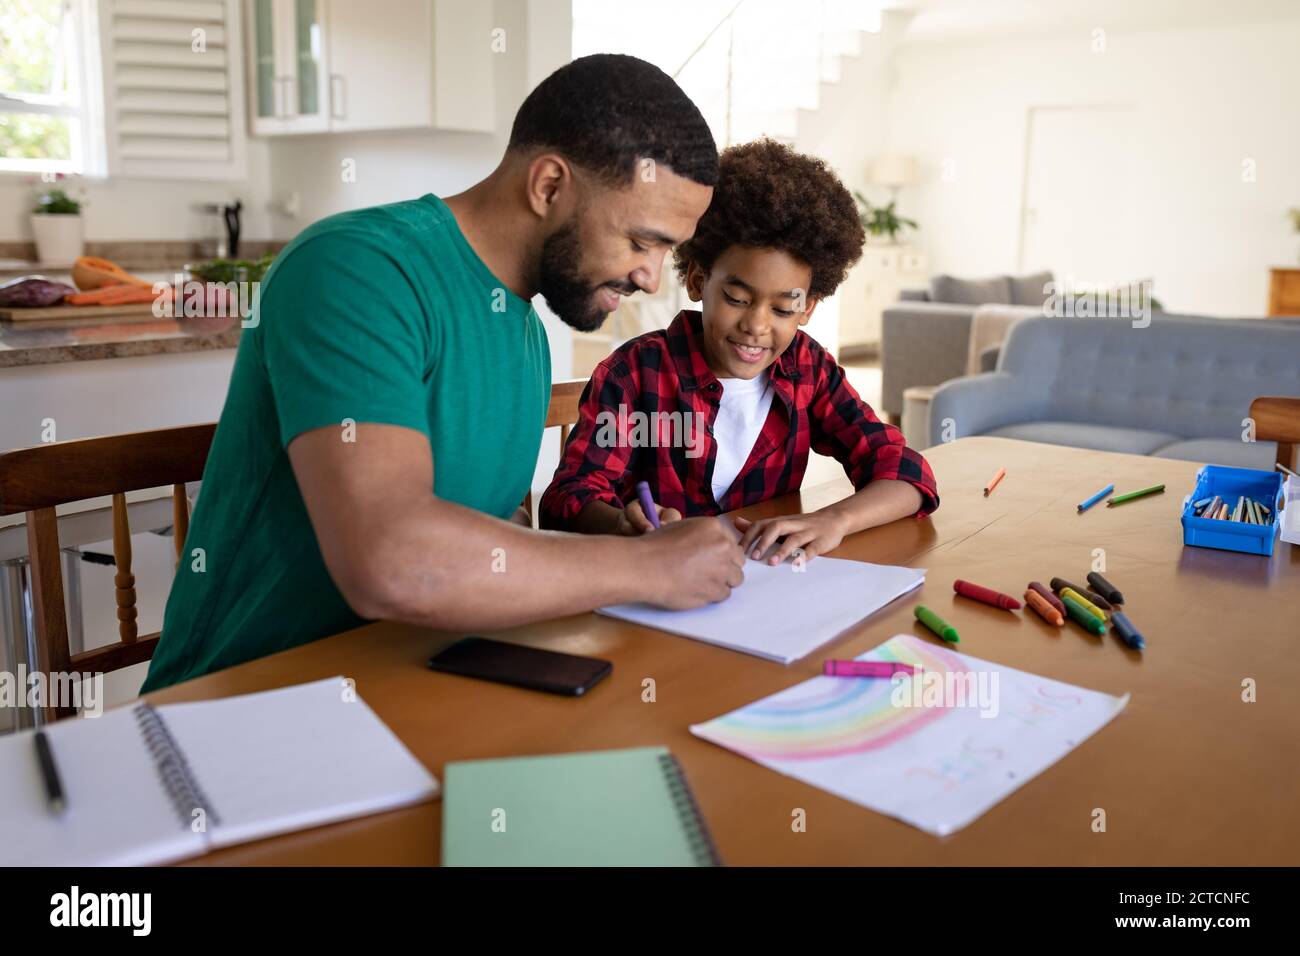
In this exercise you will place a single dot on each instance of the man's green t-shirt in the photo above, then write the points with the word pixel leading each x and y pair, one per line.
pixel 380 315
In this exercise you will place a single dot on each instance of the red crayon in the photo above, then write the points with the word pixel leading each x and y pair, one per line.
pixel 987 595
pixel 1048 596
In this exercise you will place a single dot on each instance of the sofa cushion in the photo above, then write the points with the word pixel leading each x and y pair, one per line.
pixel 1186 376
pixel 970 291
pixel 1133 441
pixel 1222 451
pixel 1031 289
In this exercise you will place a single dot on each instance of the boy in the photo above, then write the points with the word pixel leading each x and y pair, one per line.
pixel 778 237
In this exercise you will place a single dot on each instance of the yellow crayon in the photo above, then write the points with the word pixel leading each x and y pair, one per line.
pixel 1084 603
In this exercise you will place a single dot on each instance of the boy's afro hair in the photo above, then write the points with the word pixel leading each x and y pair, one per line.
pixel 770 197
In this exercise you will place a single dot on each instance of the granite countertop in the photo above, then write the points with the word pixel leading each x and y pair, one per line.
pixel 17 268
pixel 105 340
pixel 82 341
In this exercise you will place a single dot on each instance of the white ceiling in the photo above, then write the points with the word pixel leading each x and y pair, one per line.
pixel 937 21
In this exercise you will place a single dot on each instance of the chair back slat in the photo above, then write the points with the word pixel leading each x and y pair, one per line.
pixel 180 520
pixel 1277 419
pixel 563 409
pixel 62 472
pixel 124 579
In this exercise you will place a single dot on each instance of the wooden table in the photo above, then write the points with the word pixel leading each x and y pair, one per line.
pixel 1187 774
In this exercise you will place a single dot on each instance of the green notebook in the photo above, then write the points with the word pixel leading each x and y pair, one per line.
pixel 607 808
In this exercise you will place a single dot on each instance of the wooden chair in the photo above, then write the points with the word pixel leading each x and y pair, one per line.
pixel 1278 419
pixel 562 411
pixel 37 480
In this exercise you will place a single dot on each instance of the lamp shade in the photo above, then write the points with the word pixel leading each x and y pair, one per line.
pixel 894 169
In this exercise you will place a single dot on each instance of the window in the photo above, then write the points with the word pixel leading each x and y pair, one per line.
pixel 47 120
pixel 124 88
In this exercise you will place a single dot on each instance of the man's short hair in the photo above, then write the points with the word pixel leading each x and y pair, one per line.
pixel 607 111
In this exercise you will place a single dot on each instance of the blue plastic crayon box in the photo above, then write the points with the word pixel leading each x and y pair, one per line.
pixel 1229 484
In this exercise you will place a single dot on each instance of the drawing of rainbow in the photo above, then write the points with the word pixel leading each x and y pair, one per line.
pixel 833 716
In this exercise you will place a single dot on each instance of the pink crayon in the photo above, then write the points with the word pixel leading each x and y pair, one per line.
pixel 834 668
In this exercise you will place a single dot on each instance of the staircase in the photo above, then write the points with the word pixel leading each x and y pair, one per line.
pixel 750 66
pixel 754 68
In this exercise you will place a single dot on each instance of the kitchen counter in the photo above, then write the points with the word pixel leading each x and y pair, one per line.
pixel 17 268
pixel 107 340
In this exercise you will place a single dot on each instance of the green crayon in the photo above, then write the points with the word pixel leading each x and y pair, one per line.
pixel 937 624
pixel 1120 499
pixel 1083 617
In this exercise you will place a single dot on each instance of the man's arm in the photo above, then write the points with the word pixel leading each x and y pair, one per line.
pixel 397 552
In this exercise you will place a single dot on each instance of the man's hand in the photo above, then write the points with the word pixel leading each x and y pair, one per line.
pixel 813 534
pixel 692 562
pixel 397 552
pixel 633 521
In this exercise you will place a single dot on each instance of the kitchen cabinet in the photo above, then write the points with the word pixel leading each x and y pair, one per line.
pixel 287 76
pixel 344 66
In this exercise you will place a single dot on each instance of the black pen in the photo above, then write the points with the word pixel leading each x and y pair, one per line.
pixel 53 786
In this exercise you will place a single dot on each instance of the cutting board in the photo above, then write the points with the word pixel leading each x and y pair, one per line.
pixel 140 310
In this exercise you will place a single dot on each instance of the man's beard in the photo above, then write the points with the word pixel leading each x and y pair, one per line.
pixel 566 290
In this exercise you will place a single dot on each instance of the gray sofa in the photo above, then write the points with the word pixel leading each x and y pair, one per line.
pixel 1178 388
pixel 925 336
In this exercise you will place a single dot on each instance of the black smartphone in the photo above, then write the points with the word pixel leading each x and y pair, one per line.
pixel 521 666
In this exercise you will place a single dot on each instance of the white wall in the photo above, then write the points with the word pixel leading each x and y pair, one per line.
pixel 390 167
pixel 848 131
pixel 152 209
pixel 1206 98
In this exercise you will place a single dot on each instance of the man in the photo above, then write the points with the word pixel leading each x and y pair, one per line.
pixel 385 414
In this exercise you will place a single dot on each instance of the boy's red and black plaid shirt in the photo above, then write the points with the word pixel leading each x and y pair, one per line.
pixel 813 408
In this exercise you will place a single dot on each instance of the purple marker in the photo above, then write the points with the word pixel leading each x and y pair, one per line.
pixel 647 503
pixel 834 668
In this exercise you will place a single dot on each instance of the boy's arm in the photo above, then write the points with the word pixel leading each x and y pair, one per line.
pixel 584 494
pixel 600 518
pixel 845 427
pixel 880 502
pixel 892 480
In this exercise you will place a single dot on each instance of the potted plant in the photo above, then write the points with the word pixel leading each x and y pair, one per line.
pixel 56 224
pixel 1294 213
pixel 882 223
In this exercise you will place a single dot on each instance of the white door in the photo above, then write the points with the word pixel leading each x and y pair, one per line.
pixel 380 56
pixel 1079 196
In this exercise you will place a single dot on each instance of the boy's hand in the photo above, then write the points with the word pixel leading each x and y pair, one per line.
pixel 692 562
pixel 813 534
pixel 633 520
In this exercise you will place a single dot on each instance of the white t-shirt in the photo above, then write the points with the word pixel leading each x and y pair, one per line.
pixel 744 408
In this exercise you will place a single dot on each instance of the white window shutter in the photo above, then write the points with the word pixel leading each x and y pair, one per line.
pixel 173 89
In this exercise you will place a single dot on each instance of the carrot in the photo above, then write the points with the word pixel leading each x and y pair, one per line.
pixel 112 295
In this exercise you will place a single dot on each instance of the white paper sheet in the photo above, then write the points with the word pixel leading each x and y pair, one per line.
pixel 785 612
pixel 885 745
pixel 1291 512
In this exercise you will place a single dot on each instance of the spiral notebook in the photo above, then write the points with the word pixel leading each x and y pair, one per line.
pixel 607 808
pixel 149 785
